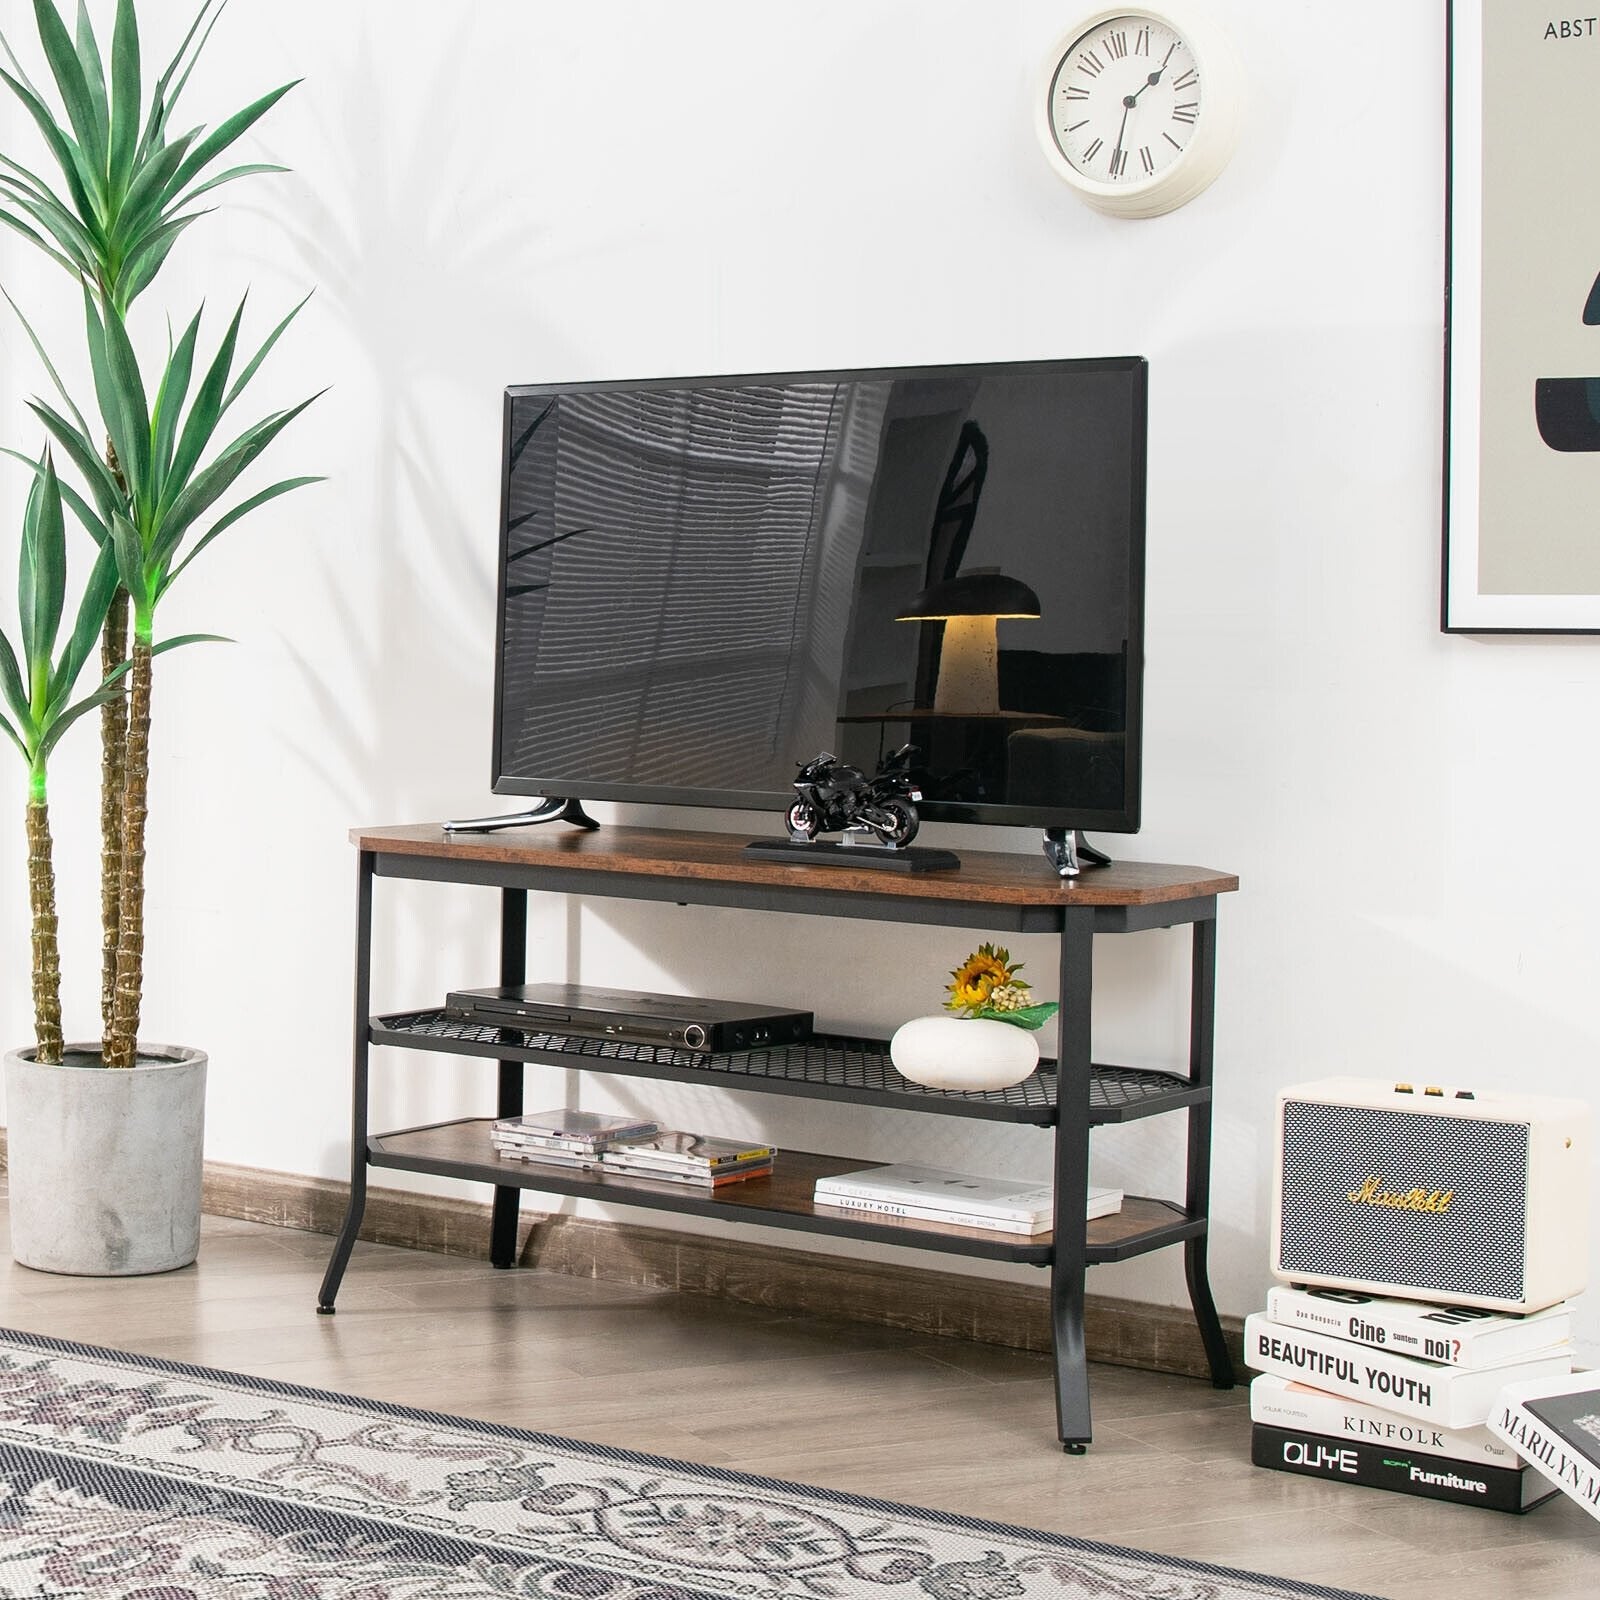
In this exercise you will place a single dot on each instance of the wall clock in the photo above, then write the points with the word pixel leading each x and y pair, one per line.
pixel 1138 107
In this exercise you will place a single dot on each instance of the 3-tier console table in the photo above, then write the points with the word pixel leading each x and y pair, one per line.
pixel 997 893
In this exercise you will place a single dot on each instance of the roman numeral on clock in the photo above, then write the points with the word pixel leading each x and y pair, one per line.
pixel 1189 80
pixel 1141 42
pixel 1076 92
pixel 1093 150
pixel 1116 44
pixel 1091 64
pixel 1185 111
pixel 1119 163
pixel 1146 160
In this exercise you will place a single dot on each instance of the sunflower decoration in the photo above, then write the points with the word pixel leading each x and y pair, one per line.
pixel 986 985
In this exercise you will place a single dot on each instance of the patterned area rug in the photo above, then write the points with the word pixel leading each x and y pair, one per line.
pixel 123 1478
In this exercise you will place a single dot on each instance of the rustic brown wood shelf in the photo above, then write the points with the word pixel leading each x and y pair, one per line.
pixel 993 891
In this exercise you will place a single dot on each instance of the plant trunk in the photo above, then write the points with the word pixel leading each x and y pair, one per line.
pixel 113 766
pixel 121 1042
pixel 46 949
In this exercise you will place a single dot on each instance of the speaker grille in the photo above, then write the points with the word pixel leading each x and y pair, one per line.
pixel 1474 1247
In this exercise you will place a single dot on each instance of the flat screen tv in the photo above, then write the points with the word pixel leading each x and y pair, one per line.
pixel 704 582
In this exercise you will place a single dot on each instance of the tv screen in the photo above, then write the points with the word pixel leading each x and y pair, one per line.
pixel 705 582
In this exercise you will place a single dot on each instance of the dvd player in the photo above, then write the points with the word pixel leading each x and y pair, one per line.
pixel 708 1026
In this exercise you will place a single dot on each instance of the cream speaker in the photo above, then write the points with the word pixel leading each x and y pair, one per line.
pixel 1438 1193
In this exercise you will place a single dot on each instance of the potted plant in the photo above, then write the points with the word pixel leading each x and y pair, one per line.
pixel 105 1161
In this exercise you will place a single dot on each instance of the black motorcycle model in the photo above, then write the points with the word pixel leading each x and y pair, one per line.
pixel 832 796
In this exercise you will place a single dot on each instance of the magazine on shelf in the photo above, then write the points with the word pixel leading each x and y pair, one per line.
pixel 666 1147
pixel 1377 1466
pixel 939 1189
pixel 587 1127
pixel 1456 1336
pixel 1280 1403
pixel 1454 1397
pixel 1102 1202
pixel 1554 1425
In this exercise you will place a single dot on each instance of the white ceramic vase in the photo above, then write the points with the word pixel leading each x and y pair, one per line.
pixel 106 1163
pixel 963 1053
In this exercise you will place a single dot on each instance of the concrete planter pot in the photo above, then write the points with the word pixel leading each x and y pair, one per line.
pixel 105 1165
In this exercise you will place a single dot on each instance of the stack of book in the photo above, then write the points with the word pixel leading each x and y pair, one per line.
pixel 958 1199
pixel 1395 1394
pixel 564 1138
pixel 692 1158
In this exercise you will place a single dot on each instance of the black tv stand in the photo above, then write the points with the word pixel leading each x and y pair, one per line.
pixel 557 808
pixel 1069 854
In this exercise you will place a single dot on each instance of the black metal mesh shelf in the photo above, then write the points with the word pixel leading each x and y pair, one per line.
pixel 829 1067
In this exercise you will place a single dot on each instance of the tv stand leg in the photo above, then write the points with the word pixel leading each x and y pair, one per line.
pixel 508 1098
pixel 556 809
pixel 1069 854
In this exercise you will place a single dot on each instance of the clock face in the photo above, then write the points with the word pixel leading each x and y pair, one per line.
pixel 1125 101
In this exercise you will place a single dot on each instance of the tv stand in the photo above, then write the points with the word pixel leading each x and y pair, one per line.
pixel 1069 854
pixel 995 894
pixel 557 808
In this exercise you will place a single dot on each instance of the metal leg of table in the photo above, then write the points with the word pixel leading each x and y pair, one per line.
pixel 1197 1200
pixel 508 1100
pixel 358 1093
pixel 1069 1258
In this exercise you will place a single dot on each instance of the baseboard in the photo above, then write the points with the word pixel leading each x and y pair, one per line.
pixel 945 1305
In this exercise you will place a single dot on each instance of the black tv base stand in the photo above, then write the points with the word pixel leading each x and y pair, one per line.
pixel 1069 854
pixel 557 808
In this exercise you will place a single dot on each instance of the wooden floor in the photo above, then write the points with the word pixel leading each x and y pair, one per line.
pixel 966 1428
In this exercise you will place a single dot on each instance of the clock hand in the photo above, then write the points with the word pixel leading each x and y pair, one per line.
pixel 1153 79
pixel 1116 154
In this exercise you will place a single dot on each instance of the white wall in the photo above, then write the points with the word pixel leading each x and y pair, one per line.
pixel 513 191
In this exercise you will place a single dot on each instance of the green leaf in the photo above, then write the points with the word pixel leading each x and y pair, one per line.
pixel 94 76
pixel 221 178
pixel 60 724
pixel 65 228
pixel 55 377
pixel 76 171
pixel 190 638
pixel 68 73
pixel 161 103
pixel 49 250
pixel 130 561
pixel 125 94
pixel 261 354
pixel 16 738
pixel 227 132
pixel 13 685
pixel 241 510
pixel 203 414
pixel 121 394
pixel 45 549
pixel 145 260
pixel 84 456
pixel 81 508
pixel 170 396
pixel 92 607
pixel 149 192
pixel 210 485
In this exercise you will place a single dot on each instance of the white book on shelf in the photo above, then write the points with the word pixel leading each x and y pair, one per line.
pixel 1554 1425
pixel 940 1189
pixel 1102 1202
pixel 1453 1397
pixel 1455 1336
pixel 1282 1403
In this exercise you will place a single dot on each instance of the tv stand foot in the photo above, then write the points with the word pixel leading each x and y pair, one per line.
pixel 555 809
pixel 1069 854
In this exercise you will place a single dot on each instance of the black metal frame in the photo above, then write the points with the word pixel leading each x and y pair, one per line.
pixel 1085 1094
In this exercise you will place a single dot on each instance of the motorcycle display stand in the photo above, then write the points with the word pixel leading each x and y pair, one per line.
pixel 868 853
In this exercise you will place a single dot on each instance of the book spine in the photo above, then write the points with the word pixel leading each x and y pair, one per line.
pixel 831 1190
pixel 1379 1467
pixel 1281 1404
pixel 1454 1336
pixel 1546 1454
pixel 1450 1396
pixel 954 1219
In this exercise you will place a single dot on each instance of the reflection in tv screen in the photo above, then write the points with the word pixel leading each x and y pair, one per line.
pixel 705 582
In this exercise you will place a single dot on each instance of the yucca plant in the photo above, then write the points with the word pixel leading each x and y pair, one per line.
pixel 36 687
pixel 128 188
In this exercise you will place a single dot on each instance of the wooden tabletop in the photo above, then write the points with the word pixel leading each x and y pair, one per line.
pixel 999 877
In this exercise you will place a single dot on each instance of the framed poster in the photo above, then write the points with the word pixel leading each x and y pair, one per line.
pixel 1522 322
